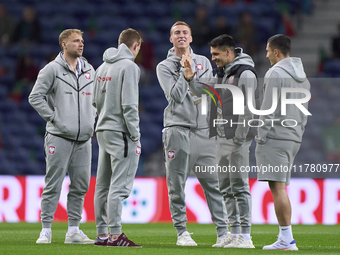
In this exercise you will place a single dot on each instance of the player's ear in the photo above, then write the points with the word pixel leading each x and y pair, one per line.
pixel 135 46
pixel 190 39
pixel 170 39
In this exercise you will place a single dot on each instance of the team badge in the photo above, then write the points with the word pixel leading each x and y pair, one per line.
pixel 138 150
pixel 87 75
pixel 199 67
pixel 171 154
pixel 231 79
pixel 51 150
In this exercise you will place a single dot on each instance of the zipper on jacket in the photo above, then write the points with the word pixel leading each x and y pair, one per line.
pixel 78 90
pixel 78 107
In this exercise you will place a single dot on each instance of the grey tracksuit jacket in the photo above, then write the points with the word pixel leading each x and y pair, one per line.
pixel 188 139
pixel 116 92
pixel 287 73
pixel 67 108
pixel 181 110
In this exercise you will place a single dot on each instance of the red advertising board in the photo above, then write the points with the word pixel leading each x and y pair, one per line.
pixel 314 201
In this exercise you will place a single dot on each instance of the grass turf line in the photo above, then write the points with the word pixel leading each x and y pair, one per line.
pixel 160 238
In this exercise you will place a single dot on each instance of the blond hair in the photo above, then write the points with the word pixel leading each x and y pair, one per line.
pixel 66 33
pixel 177 23
pixel 129 36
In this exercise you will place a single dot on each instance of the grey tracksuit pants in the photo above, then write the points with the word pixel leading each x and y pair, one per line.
pixel 234 184
pixel 117 167
pixel 185 149
pixel 64 156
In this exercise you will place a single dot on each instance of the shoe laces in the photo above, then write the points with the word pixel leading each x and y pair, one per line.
pixel 278 242
pixel 82 233
pixel 239 240
pixel 227 238
pixel 186 236
pixel 44 233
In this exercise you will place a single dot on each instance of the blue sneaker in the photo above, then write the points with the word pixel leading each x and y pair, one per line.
pixel 282 245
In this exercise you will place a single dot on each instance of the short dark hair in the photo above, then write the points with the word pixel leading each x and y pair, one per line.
pixel 129 36
pixel 280 42
pixel 223 42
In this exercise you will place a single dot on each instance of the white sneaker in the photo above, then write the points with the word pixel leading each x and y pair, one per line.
pixel 185 240
pixel 240 242
pixel 45 237
pixel 78 238
pixel 221 242
pixel 282 245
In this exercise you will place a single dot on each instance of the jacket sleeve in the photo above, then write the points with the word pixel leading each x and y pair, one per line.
pixel 41 88
pixel 173 88
pixel 246 80
pixel 95 88
pixel 130 99
pixel 272 81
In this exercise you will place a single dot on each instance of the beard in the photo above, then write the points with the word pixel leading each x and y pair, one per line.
pixel 74 54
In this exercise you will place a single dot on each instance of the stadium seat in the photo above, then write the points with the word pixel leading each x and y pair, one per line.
pixel 265 28
pixel 8 168
pixel 143 23
pixel 185 9
pixel 8 106
pixel 161 50
pixel 332 68
pixel 158 10
pixel 3 92
pixel 132 10
pixel 163 25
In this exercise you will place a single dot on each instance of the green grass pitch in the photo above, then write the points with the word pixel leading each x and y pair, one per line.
pixel 160 238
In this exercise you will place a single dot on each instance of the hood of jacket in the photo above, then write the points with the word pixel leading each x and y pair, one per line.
pixel 112 55
pixel 294 67
pixel 240 59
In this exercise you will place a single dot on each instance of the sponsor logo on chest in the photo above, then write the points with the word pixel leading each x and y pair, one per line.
pixel 99 79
